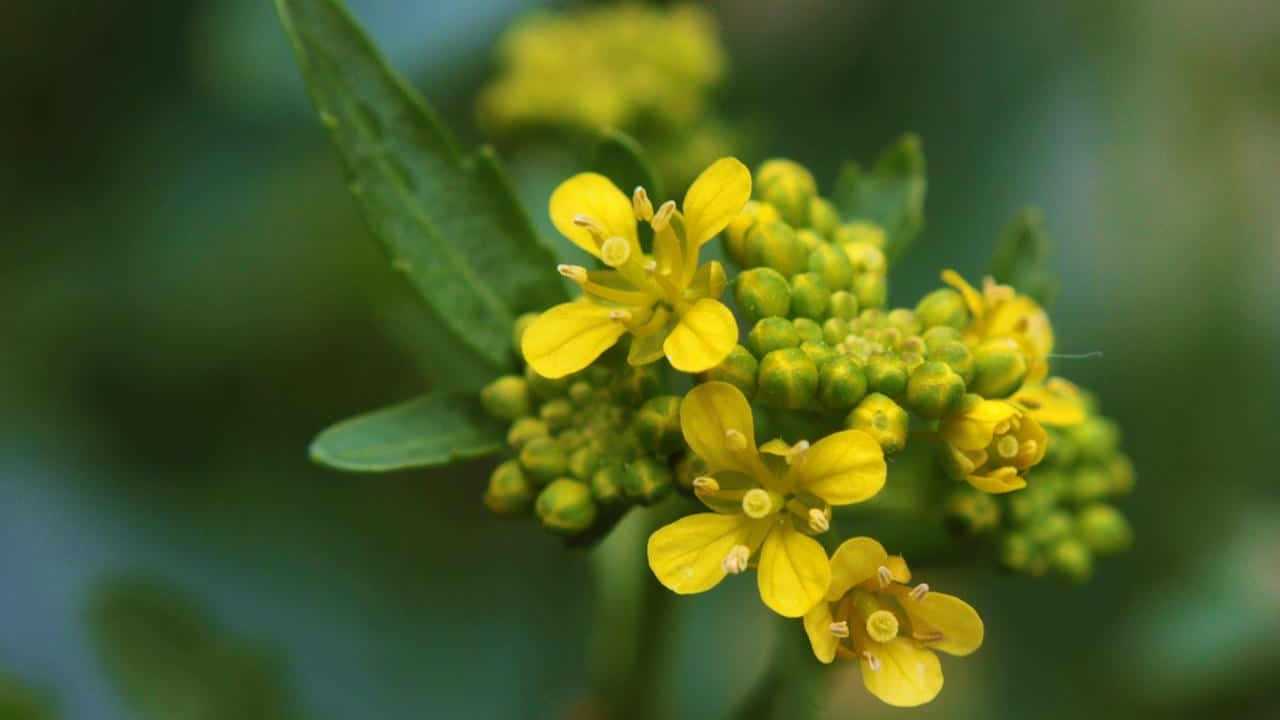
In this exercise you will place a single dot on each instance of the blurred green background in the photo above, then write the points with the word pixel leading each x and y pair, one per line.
pixel 187 296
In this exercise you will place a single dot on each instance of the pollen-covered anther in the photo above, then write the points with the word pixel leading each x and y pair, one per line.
pixel 873 662
pixel 918 592
pixel 818 521
pixel 641 204
pixel 884 575
pixel 796 452
pixel 650 266
pixel 757 504
pixel 623 315
pixel 591 225
pixel 662 218
pixel 735 439
pixel 882 626
pixel 705 485
pixel 839 629
pixel 576 273
pixel 615 251
pixel 737 559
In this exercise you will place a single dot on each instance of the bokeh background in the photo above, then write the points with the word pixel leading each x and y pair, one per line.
pixel 187 295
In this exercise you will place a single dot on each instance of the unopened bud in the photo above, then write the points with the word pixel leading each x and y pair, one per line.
pixel 657 425
pixel 808 330
pixel 971 512
pixel 637 384
pixel 956 355
pixel 544 459
pixel 934 390
pixel 581 393
pixel 943 308
pixel 788 186
pixel 1072 559
pixel 739 369
pixel 545 388
pixel 566 506
pixel 762 293
pixel 843 305
pixel 859 232
pixel 1089 483
pixel 810 240
pixel 1050 527
pixel 775 245
pixel 999 367
pixel 1120 471
pixel 819 352
pixel 823 217
pixel 583 462
pixel 1103 529
pixel 607 484
pixel 810 296
pixel 841 383
pixel 509 491
pixel 887 375
pixel 787 379
pixel 647 481
pixel 524 430
pixel 882 419
pixel 1017 552
pixel 506 398
pixel 735 235
pixel 936 337
pixel 1097 437
pixel 871 290
pixel 772 333
pixel 557 414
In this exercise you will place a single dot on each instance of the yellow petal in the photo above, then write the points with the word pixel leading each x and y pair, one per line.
pixel 688 555
pixel 596 197
pixel 843 468
pixel 955 619
pixel 972 298
pixel 668 254
pixel 703 338
pixel 974 428
pixel 794 573
pixel 709 281
pixel 715 198
pixel 568 337
pixel 646 343
pixel 708 415
pixel 908 675
pixel 817 625
pixel 854 562
pixel 998 481
pixel 1056 403
pixel 776 446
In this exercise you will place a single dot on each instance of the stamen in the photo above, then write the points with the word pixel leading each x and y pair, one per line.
pixel 615 251
pixel 650 265
pixel 662 218
pixel 623 315
pixel 796 453
pixel 735 439
pixel 928 637
pixel 884 575
pixel 641 204
pixel 591 225
pixel 872 661
pixel 1007 447
pixel 757 504
pixel 737 559
pixel 818 521
pixel 839 629
pixel 918 592
pixel 705 485
pixel 882 626
pixel 1002 427
pixel 576 273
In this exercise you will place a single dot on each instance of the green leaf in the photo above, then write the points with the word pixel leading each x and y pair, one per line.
pixel 19 702
pixel 450 222
pixel 430 430
pixel 1021 257
pixel 890 195
pixel 621 159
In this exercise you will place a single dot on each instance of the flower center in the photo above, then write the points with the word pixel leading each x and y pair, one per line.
pixel 615 251
pixel 882 626
pixel 757 503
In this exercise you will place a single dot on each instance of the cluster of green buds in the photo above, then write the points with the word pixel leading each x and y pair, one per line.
pixel 1066 517
pixel 584 447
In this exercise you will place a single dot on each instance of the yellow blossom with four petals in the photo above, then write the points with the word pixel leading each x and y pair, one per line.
pixel 992 444
pixel 767 503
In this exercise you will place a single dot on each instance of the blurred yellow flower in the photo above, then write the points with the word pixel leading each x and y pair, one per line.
pixel 1000 312
pixel 992 443
pixel 666 302
pixel 765 506
pixel 1055 402
pixel 869 614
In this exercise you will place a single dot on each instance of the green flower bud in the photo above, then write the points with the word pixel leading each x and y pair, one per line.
pixel 1050 527
pixel 1023 507
pixel 1017 552
pixel 943 308
pixel 637 384
pixel 583 462
pixel 657 425
pixel 808 330
pixel 521 324
pixel 970 512
pixel 598 376
pixel 607 484
pixel 904 321
pixel 835 330
pixel 509 491
pixel 999 367
pixel 544 459
pixel 841 383
pixel 810 240
pixel 832 265
pixel 566 506
pixel 772 333
pixel 865 258
pixel 871 290
pixel 570 440
pixel 886 375
pixel 859 232
pixel 823 216
pixel 940 335
pixel 819 352
pixel 934 390
pixel 882 419
pixel 738 369
pixel 787 186
pixel 1062 450
pixel 524 430
pixel 1103 529
pixel 809 296
pixel 957 356
pixel 761 293
pixel 545 388
pixel 647 481
pixel 1097 437
pixel 843 305
pixel 735 234
pixel 1072 559
pixel 1120 471
pixel 581 393
pixel 787 379
pixel 1089 483
pixel 506 398
pixel 775 245
pixel 557 414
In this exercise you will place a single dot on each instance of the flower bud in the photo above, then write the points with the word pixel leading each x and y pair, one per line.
pixel 809 296
pixel 738 369
pixel 943 308
pixel 637 384
pixel 735 234
pixel 647 481
pixel 1089 483
pixel 788 186
pixel 1017 552
pixel 934 390
pixel 557 414
pixel 835 330
pixel 819 352
pixel 808 330
pixel 545 388
pixel 772 333
pixel 823 216
pixel 544 459
pixel 841 383
pixel 1050 527
pixel 762 293
pixel 598 376
pixel 1120 471
pixel 583 462
pixel 521 324
pixel 871 290
pixel 999 367
pixel 843 305
pixel 524 430
pixel 607 483
pixel 1097 437
pixel 509 491
pixel 957 356
pixel 882 419
pixel 940 335
pixel 581 393
pixel 904 321
pixel 566 506
pixel 1103 529
pixel 657 425
pixel 810 240
pixel 832 265
pixel 970 512
pixel 570 440
pixel 775 245
pixel 859 232
pixel 506 398
pixel 1072 559
pixel 886 374
pixel 787 379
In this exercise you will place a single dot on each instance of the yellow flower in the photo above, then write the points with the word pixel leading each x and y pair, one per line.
pixel 870 615
pixel 666 302
pixel 766 506
pixel 1000 312
pixel 992 443
pixel 1055 402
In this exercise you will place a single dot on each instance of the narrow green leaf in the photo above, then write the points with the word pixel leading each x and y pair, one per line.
pixel 450 222
pixel 890 195
pixel 621 159
pixel 430 430
pixel 1021 257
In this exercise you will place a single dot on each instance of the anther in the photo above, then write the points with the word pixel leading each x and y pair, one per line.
pixel 662 218
pixel 736 560
pixel 796 453
pixel 591 225
pixel 884 575
pixel 818 521
pixel 757 504
pixel 872 661
pixel 641 204
pixel 705 485
pixel 1002 427
pixel 928 637
pixel 623 315
pixel 650 266
pixel 576 273
pixel 839 629
pixel 615 251
pixel 735 439
pixel 918 592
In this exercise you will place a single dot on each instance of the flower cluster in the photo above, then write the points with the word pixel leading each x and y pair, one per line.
pixel 833 382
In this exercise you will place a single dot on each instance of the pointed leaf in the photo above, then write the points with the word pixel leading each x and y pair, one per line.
pixel 1021 257
pixel 890 195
